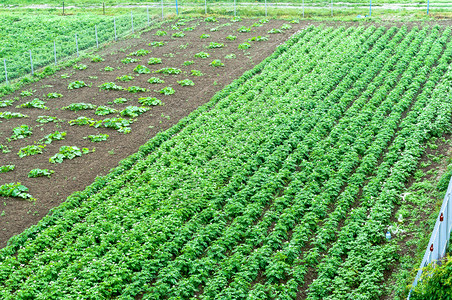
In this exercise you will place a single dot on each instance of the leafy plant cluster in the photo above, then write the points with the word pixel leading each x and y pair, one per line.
pixel 67 152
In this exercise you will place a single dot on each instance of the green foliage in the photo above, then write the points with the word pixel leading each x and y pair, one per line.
pixel 204 36
pixel 15 190
pixel 11 115
pixel 79 106
pixel 196 73
pixel 178 34
pixel 56 136
pixel 214 45
pixel 286 26
pixel 258 39
pixel 97 58
pixel 109 69
pixel 26 93
pixel 21 132
pixel 236 19
pixel 30 150
pixel 217 63
pixel 54 95
pixel 231 37
pixel 210 19
pixel 188 62
pixel 230 56
pixel 157 44
pixel 110 86
pixel 102 110
pixel 67 152
pixel 202 55
pixel 125 78
pixel 186 82
pixel 47 119
pixel 4 149
pixel 97 138
pixel 35 103
pixel 40 173
pixel 244 29
pixel 161 33
pixel 136 89
pixel 7 168
pixel 169 71
pixel 149 101
pixel 191 28
pixel 167 91
pixel 76 85
pixel 155 80
pixel 274 30
pixel 120 124
pixel 154 61
pixel 435 282
pixel 129 60
pixel 80 67
pixel 263 21
pixel 80 121
pixel 244 46
pixel 6 103
pixel 142 69
pixel 120 100
pixel 140 52
pixel 133 111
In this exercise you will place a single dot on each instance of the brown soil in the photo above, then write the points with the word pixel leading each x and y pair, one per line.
pixel 74 175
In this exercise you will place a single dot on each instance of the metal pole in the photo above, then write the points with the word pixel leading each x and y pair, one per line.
pixel 428 4
pixel 370 9
pixel 97 40
pixel 131 15
pixel 177 9
pixel 205 6
pixel 114 23
pixel 147 11
pixel 6 72
pixel 162 9
pixel 103 6
pixel 235 14
pixel 31 63
pixel 266 8
pixel 331 7
pixel 303 8
pixel 63 8
pixel 54 51
pixel 76 43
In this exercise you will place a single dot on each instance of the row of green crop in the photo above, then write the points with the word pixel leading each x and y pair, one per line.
pixel 38 34
pixel 296 169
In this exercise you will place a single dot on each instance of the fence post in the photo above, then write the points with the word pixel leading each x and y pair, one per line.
pixel 76 43
pixel 31 63
pixel 63 8
pixel 6 72
pixel 205 6
pixel 177 9
pixel 162 9
pixel 131 16
pixel 147 12
pixel 103 6
pixel 266 8
pixel 97 40
pixel 428 4
pixel 114 23
pixel 303 8
pixel 54 52
pixel 370 9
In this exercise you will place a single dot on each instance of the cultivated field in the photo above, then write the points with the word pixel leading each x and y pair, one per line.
pixel 282 186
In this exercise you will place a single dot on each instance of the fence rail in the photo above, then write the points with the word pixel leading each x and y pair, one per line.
pixel 437 246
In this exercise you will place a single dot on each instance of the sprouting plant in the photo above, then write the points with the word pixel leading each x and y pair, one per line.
pixel 120 124
pixel 40 173
pixel 188 62
pixel 286 26
pixel 76 85
pixel 174 27
pixel 10 115
pixel 263 21
pixel 97 58
pixel 141 52
pixel 110 86
pixel 191 28
pixel 273 31
pixel 160 33
pixel 35 103
pixel 136 89
pixel 105 110
pixel 47 119
pixel 244 46
pixel 154 61
pixel 21 132
pixel 169 71
pixel 230 56
pixel 4 149
pixel 149 101
pixel 186 82
pixel 109 69
pixel 210 19
pixel 120 100
pixel 80 121
pixel 54 95
pixel 184 46
pixel 56 136
pixel 217 63
pixel 133 111
pixel 6 103
pixel 155 80
pixel 15 190
pixel 129 60
pixel 196 73
pixel 236 19
pixel 204 36
pixel 30 150
pixel 125 78
pixel 67 152
pixel 258 39
pixel 66 75
pixel 79 106
pixel 97 138
pixel 202 55
pixel 80 67
pixel 178 34
pixel 214 45
pixel 295 21
pixel 231 37
pixel 7 168
pixel 167 91
pixel 141 70
pixel 26 93
pixel 244 29
pixel 257 25
pixel 157 44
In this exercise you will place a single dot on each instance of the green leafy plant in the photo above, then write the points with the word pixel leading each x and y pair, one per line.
pixel 56 136
pixel 231 37
pixel 47 119
pixel 244 29
pixel 102 110
pixel 295 21
pixel 157 44
pixel 129 60
pixel 169 71
pixel 204 36
pixel 97 58
pixel 258 39
pixel 21 132
pixel 120 100
pixel 149 101
pixel 263 21
pixel 7 168
pixel 76 85
pixel 40 173
pixel 161 33
pixel 133 111
pixel 230 56
pixel 142 69
pixel 273 31
pixel 67 152
pixel 214 45
pixel 80 121
pixel 26 93
pixel 110 86
pixel 136 89
pixel 186 82
pixel 120 124
pixel 217 63
pixel 11 115
pixel 6 103
pixel 244 46
pixel 178 34
pixel 66 75
pixel 140 52
pixel 79 106
pixel 155 80
pixel 286 26
pixel 80 67
pixel 54 95
pixel 196 73
pixel 125 78
pixel 15 190
pixel 210 19
pixel 188 62
pixel 167 91
pixel 202 55
pixel 257 25
pixel 30 150
pixel 97 138
pixel 236 19
pixel 35 103
pixel 109 69
pixel 154 61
